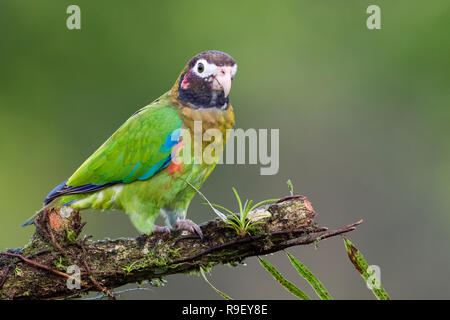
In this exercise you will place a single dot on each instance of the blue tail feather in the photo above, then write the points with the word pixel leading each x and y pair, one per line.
pixel 63 190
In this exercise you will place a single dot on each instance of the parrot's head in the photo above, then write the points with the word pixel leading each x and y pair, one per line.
pixel 205 81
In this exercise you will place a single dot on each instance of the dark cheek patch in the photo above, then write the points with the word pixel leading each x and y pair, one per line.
pixel 198 92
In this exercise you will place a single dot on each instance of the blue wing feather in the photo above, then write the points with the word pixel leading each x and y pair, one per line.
pixel 144 167
pixel 63 189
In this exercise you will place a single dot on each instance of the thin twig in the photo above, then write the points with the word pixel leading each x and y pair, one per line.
pixel 348 228
pixel 5 276
pixel 38 265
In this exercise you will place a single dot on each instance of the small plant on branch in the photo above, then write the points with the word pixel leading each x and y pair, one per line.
pixel 247 218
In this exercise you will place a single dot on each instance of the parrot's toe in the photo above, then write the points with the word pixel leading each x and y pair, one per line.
pixel 188 225
pixel 158 229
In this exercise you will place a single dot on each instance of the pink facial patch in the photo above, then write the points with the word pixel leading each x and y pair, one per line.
pixel 185 83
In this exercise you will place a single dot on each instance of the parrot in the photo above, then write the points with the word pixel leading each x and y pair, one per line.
pixel 135 170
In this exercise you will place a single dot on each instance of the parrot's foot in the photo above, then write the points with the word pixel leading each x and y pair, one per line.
pixel 158 229
pixel 188 225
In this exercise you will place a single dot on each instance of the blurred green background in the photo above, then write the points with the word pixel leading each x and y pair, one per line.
pixel 363 116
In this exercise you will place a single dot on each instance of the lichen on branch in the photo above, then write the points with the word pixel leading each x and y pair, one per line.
pixel 39 270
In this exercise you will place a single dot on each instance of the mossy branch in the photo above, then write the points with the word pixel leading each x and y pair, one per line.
pixel 40 269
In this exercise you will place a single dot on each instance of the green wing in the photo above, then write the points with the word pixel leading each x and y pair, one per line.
pixel 136 151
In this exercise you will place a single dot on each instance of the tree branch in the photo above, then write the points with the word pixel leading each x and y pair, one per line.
pixel 40 269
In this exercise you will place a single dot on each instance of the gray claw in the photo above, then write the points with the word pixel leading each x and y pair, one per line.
pixel 158 229
pixel 188 225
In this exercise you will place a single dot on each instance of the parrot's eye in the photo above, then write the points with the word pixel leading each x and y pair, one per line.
pixel 200 68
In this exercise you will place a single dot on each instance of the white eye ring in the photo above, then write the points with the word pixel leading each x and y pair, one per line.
pixel 207 70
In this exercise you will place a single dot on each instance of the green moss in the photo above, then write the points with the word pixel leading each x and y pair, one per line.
pixel 140 282
pixel 59 263
pixel 130 268
pixel 136 265
pixel 71 236
pixel 35 245
pixel 158 262
pixel 174 252
pixel 157 282
pixel 18 272
pixel 160 259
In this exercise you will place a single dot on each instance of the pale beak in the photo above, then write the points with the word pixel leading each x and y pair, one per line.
pixel 223 79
